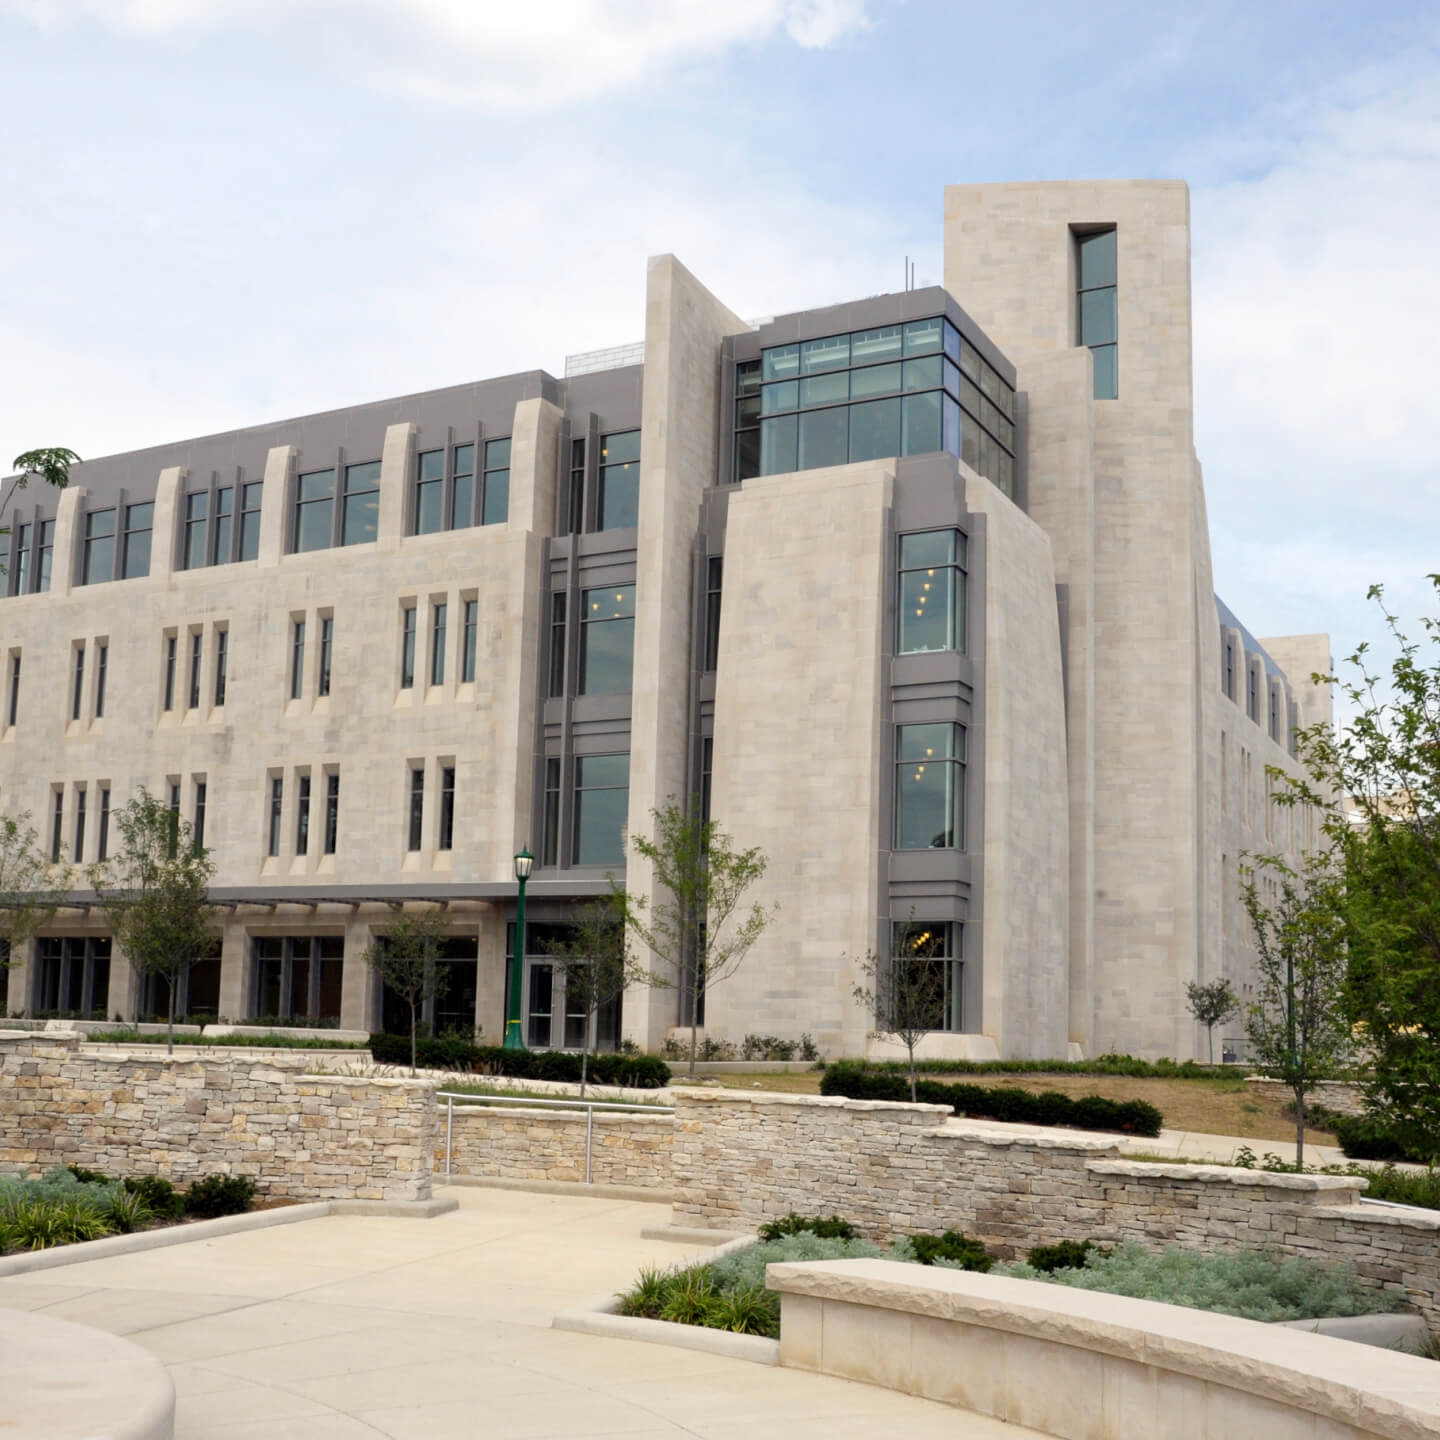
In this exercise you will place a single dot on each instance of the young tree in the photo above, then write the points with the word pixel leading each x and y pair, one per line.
pixel 407 960
pixel 703 931
pixel 595 960
pixel 1386 760
pixel 32 885
pixel 1297 1025
pixel 906 990
pixel 155 891
pixel 1211 1005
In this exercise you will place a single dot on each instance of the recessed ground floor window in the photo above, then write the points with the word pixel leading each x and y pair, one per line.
pixel 451 1011
pixel 72 976
pixel 298 977
pixel 932 950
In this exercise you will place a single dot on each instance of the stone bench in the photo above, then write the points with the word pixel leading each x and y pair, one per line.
pixel 63 1381
pixel 1087 1366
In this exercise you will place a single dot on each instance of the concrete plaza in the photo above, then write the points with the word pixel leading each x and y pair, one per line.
pixel 349 1328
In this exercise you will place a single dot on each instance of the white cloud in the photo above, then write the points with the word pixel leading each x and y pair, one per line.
pixel 492 54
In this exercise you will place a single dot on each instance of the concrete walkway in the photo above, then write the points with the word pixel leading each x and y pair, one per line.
pixel 1221 1149
pixel 343 1328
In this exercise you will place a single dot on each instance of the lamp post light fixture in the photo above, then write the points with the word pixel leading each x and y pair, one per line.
pixel 524 864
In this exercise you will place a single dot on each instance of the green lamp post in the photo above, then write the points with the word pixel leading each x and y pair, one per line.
pixel 524 863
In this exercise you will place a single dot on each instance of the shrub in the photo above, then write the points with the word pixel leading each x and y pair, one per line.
pixel 1403 1187
pixel 37 1224
pixel 746 1310
pixel 639 1072
pixel 859 1081
pixel 1253 1284
pixel 1371 1137
pixel 217 1195
pixel 1067 1255
pixel 832 1227
pixel 1128 1065
pixel 952 1250
pixel 747 1267
pixel 159 1195
pixel 126 1212
pixel 767 1047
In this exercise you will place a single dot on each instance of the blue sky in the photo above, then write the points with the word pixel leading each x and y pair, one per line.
pixel 226 211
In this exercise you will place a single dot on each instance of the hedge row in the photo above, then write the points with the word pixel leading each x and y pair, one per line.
pixel 858 1081
pixel 1110 1064
pixel 1369 1137
pixel 639 1072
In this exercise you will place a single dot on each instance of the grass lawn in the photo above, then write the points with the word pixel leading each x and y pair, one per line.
pixel 1224 1105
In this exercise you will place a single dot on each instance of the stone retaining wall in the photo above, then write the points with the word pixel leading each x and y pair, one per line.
pixel 890 1167
pixel 1344 1096
pixel 515 1143
pixel 305 1136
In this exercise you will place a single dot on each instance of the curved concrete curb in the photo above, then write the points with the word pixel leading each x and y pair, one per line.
pixel 598 1317
pixel 65 1381
pixel 62 1255
pixel 691 1235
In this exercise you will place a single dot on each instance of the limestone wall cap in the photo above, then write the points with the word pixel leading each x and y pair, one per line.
pixel 1378 1392
pixel 709 1096
pixel 1227 1175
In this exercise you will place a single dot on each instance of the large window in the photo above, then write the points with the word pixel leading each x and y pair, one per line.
pixel 429 492
pixel 250 497
pixel 1097 322
pixel 932 592
pixel 903 389
pixel 98 562
pixel 139 522
pixel 73 976
pixel 936 946
pixel 315 511
pixel 462 498
pixel 619 498
pixel 298 977
pixel 224 526
pixel 45 555
pixel 602 803
pixel 495 500
pixel 607 641
pixel 197 529
pixel 361 515
pixel 929 787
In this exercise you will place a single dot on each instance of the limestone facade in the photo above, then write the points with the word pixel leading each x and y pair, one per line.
pixel 311 1137
pixel 392 720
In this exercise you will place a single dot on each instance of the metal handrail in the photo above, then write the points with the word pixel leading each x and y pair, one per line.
pixel 589 1107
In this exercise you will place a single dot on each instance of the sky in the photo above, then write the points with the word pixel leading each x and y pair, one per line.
pixel 222 212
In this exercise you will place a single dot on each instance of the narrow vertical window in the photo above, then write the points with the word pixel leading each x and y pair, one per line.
pixel 139 523
pixel 550 840
pixel 462 495
pixel 197 654
pixel 223 527
pixel 361 512
pixel 495 508
pixel 170 645
pixel 714 571
pixel 250 498
pixel 931 599
pixel 332 812
pixel 1228 677
pixel 438 613
pixel 57 825
pixel 302 815
pixel 102 665
pixel 407 648
pixel 327 645
pixel 45 555
pixel 467 648
pixel 557 642
pixel 747 420
pixel 607 641
pixel 618 504
pixel 1252 690
pixel 78 687
pixel 602 803
pixel 297 659
pixel 14 688
pixel 417 809
pixel 198 825
pixel 929 787
pixel 935 945
pixel 23 541
pixel 447 808
pixel 102 839
pixel 707 762
pixel 79 852
pixel 1274 713
pixel 277 797
pixel 1097 320
pixel 577 486
pixel 222 665
pixel 174 817
pixel 429 492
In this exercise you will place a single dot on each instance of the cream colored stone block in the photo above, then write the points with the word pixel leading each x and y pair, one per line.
pixel 801 1332
pixel 957 1364
pixel 1055 1389
pixel 860 1342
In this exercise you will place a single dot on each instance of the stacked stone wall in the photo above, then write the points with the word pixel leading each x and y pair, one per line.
pixel 895 1168
pixel 1343 1096
pixel 519 1144
pixel 296 1135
